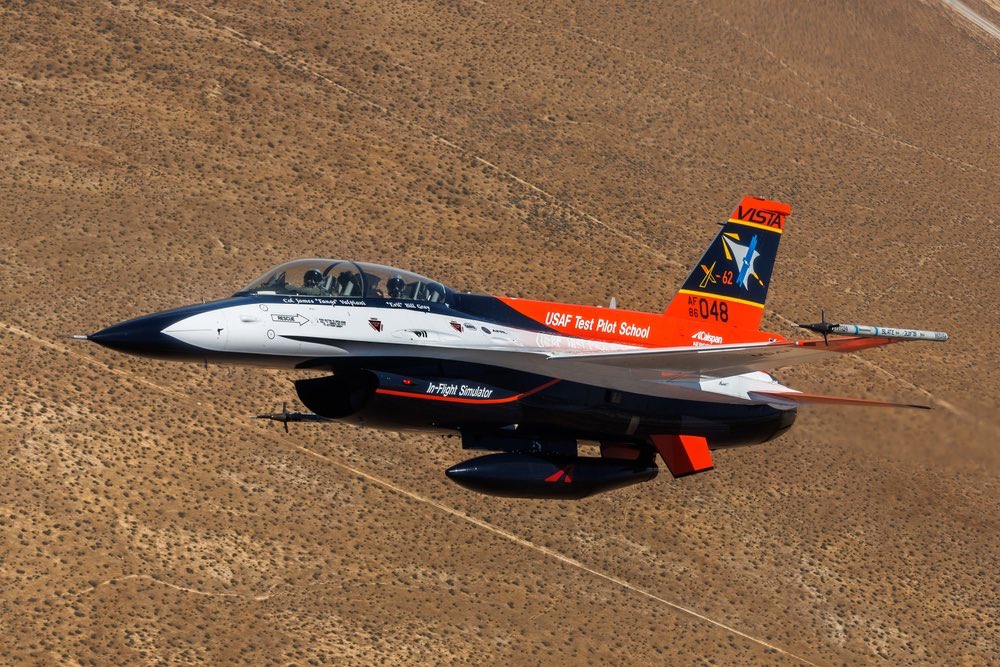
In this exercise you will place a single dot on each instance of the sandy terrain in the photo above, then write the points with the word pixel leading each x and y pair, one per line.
pixel 156 153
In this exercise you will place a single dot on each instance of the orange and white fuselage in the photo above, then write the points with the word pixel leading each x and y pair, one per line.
pixel 526 377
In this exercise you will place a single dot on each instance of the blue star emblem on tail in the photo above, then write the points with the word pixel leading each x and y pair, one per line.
pixel 744 256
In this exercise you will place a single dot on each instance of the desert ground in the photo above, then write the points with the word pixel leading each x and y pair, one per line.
pixel 154 154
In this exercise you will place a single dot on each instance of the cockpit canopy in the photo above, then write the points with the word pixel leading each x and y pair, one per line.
pixel 343 278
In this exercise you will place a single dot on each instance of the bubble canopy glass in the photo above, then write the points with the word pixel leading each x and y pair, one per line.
pixel 344 278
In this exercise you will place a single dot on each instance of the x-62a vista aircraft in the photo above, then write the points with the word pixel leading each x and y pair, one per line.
pixel 526 379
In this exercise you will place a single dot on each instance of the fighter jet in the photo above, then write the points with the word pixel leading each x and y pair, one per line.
pixel 525 379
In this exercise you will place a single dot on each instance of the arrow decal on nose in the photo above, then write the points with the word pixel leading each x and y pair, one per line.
pixel 289 319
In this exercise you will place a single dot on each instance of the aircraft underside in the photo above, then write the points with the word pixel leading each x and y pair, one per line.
pixel 402 393
pixel 535 420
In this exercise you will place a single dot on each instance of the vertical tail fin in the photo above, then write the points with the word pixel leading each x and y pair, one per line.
pixel 729 284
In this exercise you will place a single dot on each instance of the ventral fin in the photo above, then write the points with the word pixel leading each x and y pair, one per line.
pixel 684 454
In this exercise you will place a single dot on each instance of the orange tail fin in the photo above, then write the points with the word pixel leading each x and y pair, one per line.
pixel 728 286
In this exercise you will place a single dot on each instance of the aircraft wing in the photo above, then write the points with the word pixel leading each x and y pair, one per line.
pixel 723 360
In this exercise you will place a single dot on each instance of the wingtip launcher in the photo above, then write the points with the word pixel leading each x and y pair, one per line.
pixel 869 331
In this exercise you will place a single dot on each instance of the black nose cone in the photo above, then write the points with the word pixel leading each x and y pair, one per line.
pixel 144 336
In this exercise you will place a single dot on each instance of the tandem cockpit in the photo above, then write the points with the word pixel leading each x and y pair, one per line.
pixel 346 279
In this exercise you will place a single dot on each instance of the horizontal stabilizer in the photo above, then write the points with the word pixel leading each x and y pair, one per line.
pixel 794 399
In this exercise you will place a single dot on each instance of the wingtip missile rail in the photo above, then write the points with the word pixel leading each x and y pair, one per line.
pixel 869 331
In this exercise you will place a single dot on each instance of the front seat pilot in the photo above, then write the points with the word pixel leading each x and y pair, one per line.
pixel 311 284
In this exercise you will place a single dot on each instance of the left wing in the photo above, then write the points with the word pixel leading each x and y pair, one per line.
pixel 723 360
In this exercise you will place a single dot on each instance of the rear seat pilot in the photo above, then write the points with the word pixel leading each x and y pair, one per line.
pixel 396 287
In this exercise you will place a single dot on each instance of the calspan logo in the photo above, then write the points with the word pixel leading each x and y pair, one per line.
pixel 705 337
pixel 744 256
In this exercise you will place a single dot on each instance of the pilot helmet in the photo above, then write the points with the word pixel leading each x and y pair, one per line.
pixel 395 285
pixel 312 278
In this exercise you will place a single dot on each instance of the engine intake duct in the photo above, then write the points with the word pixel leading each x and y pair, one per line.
pixel 562 478
pixel 337 396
